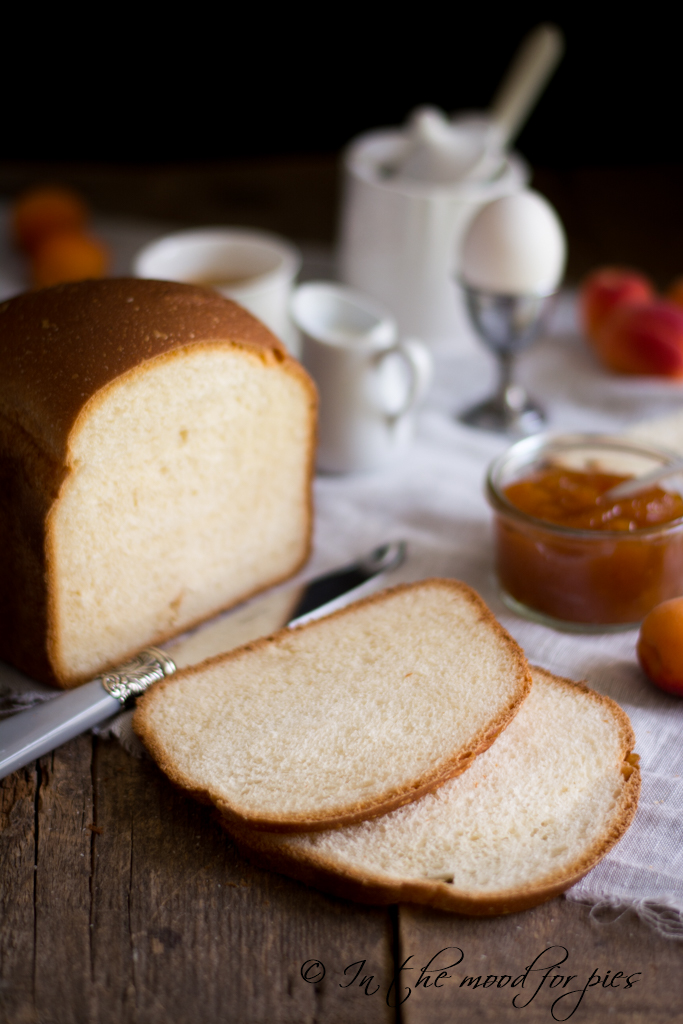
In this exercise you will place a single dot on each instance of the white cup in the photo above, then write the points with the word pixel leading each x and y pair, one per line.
pixel 252 267
pixel 369 381
pixel 400 240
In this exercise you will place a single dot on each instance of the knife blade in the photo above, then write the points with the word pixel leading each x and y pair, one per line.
pixel 27 735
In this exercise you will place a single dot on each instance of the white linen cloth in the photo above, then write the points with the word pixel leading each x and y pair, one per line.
pixel 433 498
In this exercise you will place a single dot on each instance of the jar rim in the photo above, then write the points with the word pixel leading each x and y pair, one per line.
pixel 556 441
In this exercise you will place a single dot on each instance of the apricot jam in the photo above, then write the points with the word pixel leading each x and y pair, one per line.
pixel 574 498
pixel 571 557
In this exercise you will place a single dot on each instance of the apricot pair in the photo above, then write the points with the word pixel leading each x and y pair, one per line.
pixel 630 328
pixel 49 224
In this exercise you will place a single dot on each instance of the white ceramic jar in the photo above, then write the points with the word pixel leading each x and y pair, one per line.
pixel 400 239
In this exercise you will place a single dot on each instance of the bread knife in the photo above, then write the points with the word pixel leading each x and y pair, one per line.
pixel 29 734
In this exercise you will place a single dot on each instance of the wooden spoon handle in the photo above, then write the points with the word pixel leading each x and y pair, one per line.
pixel 532 66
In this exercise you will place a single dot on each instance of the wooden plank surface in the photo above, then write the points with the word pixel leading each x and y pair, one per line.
pixel 497 952
pixel 124 901
pixel 63 897
pixel 142 910
pixel 17 895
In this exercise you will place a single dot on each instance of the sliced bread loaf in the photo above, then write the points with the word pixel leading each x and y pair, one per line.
pixel 156 449
pixel 531 816
pixel 345 718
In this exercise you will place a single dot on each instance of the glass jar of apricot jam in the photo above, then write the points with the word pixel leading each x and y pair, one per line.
pixel 569 555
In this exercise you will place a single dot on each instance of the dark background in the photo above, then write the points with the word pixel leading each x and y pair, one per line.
pixel 219 115
pixel 279 81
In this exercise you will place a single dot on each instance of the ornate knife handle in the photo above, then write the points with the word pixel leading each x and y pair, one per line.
pixel 138 674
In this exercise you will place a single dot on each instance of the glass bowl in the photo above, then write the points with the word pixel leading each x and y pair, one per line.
pixel 582 580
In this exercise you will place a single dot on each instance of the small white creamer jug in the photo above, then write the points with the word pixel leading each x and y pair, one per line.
pixel 369 381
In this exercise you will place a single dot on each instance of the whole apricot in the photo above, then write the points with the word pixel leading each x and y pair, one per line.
pixel 643 339
pixel 46 211
pixel 660 646
pixel 68 256
pixel 608 288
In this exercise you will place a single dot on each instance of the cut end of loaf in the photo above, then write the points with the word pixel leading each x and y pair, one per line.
pixel 344 719
pixel 188 491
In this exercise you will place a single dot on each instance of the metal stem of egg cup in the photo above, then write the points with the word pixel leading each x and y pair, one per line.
pixel 507 324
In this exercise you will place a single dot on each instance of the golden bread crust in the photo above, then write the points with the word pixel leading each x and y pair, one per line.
pixel 59 346
pixel 426 783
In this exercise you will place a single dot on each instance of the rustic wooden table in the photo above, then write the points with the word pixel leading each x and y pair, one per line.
pixel 123 900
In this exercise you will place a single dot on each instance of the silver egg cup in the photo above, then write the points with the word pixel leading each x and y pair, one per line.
pixel 507 324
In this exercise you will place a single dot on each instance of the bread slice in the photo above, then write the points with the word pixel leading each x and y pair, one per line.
pixel 531 816
pixel 156 451
pixel 345 718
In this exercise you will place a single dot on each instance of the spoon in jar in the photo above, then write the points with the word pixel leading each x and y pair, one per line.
pixel 639 483
pixel 471 146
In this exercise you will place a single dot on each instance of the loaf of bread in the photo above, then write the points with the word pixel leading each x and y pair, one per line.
pixel 532 815
pixel 342 719
pixel 156 451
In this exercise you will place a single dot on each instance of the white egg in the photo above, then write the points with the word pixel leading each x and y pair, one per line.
pixel 515 246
